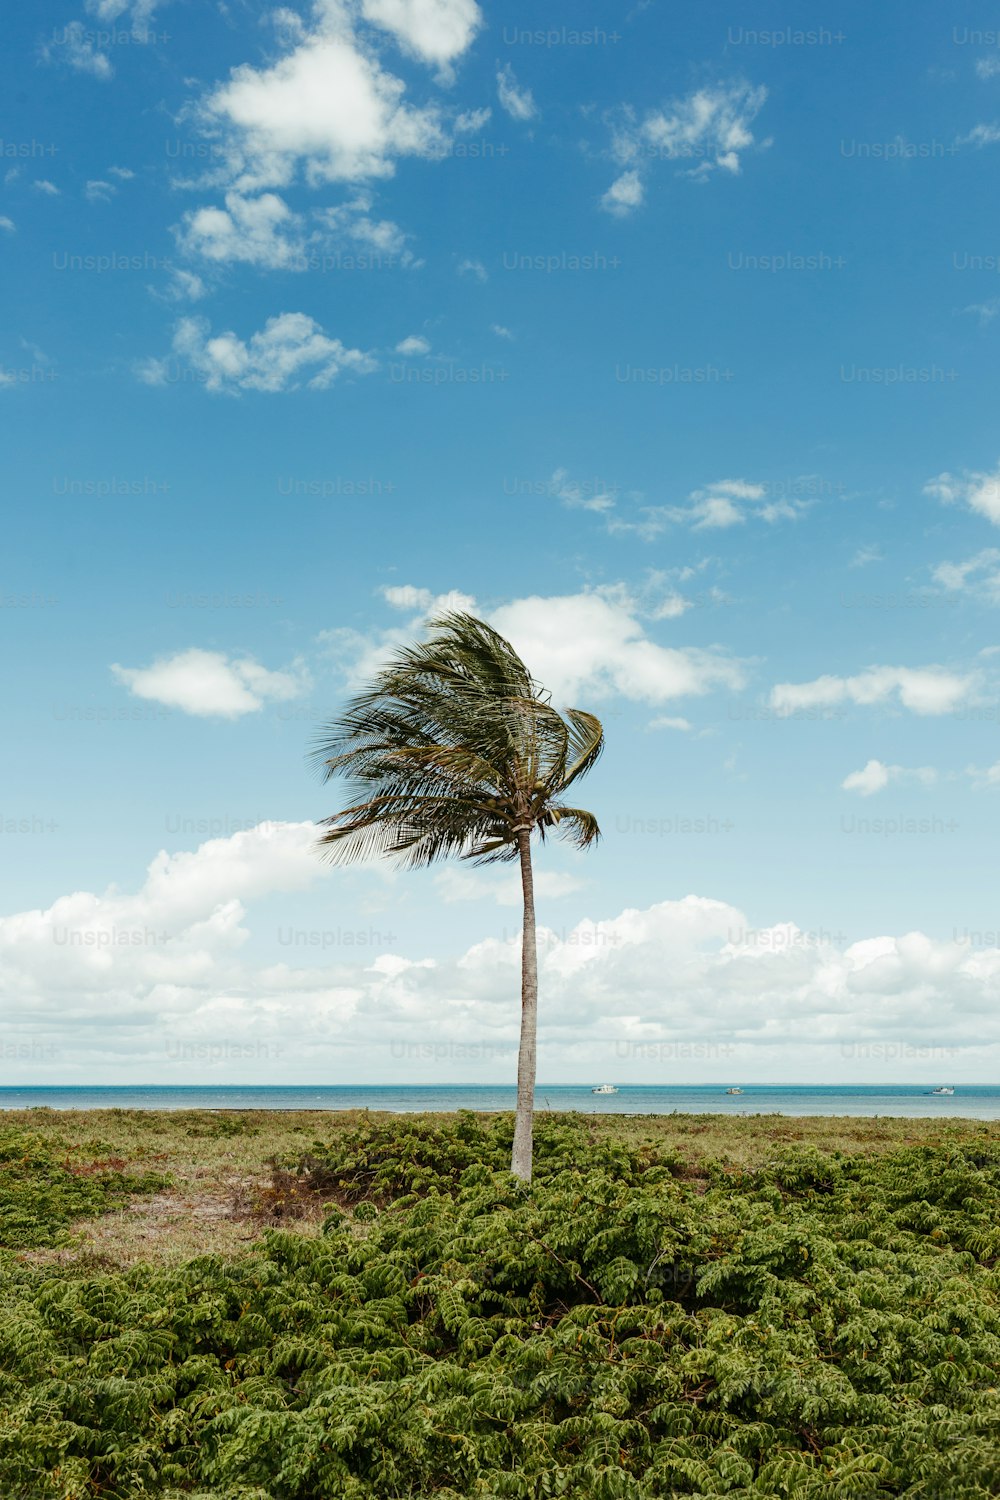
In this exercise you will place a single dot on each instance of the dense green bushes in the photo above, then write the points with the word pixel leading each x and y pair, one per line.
pixel 43 1188
pixel 824 1327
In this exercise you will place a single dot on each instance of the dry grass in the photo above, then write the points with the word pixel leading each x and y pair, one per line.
pixel 226 1189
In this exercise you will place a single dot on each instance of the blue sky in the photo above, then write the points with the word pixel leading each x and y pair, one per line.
pixel 666 341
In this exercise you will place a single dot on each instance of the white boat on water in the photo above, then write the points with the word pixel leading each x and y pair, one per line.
pixel 942 1091
pixel 734 1091
pixel 604 1088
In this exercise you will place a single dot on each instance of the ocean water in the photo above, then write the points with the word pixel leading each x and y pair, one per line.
pixel 973 1102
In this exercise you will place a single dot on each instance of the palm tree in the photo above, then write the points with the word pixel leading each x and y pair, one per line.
pixel 455 749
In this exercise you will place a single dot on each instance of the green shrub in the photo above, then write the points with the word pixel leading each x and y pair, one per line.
pixel 43 1188
pixel 825 1328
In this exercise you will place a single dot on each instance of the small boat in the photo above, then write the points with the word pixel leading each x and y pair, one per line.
pixel 942 1090
pixel 604 1088
pixel 734 1091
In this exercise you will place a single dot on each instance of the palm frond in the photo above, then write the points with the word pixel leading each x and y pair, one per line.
pixel 575 824
pixel 452 747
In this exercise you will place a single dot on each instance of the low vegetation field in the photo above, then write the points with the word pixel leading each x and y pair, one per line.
pixel 308 1306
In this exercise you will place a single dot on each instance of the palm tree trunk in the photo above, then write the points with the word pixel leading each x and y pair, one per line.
pixel 520 1162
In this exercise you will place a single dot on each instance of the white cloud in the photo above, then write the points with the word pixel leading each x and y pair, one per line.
pixel 474 268
pixel 624 194
pixel 110 978
pixel 359 656
pixel 183 286
pixel 672 607
pixel 987 67
pixel 710 127
pixel 287 349
pixel 328 105
pixel 405 596
pixel 471 120
pixel 44 186
pixel 208 684
pixel 875 776
pixel 500 331
pixel 351 223
pixel 261 231
pixel 981 135
pixel 980 491
pixel 436 31
pixel 987 779
pixel 585 646
pixel 76 48
pixel 666 722
pixel 7 225
pixel 581 494
pixel 414 344
pixel 518 102
pixel 590 646
pixel 124 174
pixel 140 11
pixel 923 690
pixel 715 507
pixel 978 575
pixel 98 191
pixel 864 556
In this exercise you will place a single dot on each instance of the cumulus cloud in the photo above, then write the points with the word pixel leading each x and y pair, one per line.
pixel 406 596
pixel 261 231
pixel 351 223
pixel 923 690
pixel 710 127
pixel 287 349
pixel 979 491
pixel 209 684
pixel 327 107
pixel 108 978
pixel 518 102
pixel 580 646
pixel 358 655
pixel 436 31
pixel 413 344
pixel 43 185
pixel 473 268
pixel 7 225
pixel 875 776
pixel 593 645
pixel 625 194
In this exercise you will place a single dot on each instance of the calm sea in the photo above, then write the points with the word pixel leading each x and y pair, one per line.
pixel 970 1101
